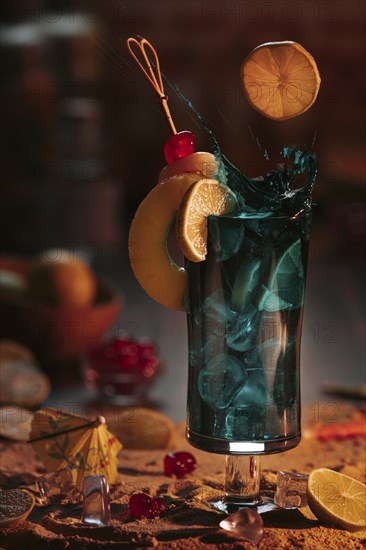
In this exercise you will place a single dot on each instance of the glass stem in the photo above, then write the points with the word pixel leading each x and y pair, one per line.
pixel 242 485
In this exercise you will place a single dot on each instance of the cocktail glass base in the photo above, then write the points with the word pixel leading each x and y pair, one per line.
pixel 240 448
pixel 266 504
pixel 242 486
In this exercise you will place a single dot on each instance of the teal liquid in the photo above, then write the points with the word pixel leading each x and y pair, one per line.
pixel 244 332
pixel 246 308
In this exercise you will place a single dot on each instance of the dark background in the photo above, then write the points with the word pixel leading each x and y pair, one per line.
pixel 83 136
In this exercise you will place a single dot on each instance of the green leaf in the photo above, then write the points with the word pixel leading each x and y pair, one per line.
pixel 52 423
pixel 65 442
pixel 55 455
pixel 80 459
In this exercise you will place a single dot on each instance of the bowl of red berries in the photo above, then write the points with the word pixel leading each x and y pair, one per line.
pixel 121 370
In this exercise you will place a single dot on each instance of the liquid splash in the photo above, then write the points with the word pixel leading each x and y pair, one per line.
pixel 277 191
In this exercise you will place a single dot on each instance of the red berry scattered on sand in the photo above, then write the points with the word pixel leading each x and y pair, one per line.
pixel 179 464
pixel 142 505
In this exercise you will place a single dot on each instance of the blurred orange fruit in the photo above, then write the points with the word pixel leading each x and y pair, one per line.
pixel 62 280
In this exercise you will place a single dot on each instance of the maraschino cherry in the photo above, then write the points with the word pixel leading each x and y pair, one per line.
pixel 179 146
pixel 179 464
pixel 142 505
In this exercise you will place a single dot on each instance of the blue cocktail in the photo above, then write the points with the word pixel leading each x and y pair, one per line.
pixel 245 319
pixel 246 304
pixel 244 298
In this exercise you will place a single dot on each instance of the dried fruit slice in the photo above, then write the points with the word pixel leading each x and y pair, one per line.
pixel 281 79
pixel 13 351
pixel 201 163
pixel 150 260
pixel 203 198
pixel 141 428
pixel 15 422
pixel 15 506
pixel 337 499
pixel 21 382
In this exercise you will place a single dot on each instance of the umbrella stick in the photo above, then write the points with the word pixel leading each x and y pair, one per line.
pixel 96 422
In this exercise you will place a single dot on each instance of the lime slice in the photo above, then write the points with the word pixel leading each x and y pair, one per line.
pixel 286 286
pixel 337 499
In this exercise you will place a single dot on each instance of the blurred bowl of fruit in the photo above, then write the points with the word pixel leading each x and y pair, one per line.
pixel 54 304
pixel 122 370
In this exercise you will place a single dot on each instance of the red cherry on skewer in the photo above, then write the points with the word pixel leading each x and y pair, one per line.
pixel 179 146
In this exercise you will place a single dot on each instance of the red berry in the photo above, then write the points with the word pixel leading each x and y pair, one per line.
pixel 125 355
pixel 124 346
pixel 142 505
pixel 145 348
pixel 179 464
pixel 149 366
pixel 179 146
pixel 128 362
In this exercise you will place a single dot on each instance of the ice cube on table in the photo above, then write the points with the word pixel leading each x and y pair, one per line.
pixel 56 485
pixel 96 501
pixel 220 380
pixel 246 523
pixel 291 490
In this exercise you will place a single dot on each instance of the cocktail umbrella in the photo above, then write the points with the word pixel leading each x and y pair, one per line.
pixel 85 446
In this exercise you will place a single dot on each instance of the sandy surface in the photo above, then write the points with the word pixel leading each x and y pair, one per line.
pixel 188 522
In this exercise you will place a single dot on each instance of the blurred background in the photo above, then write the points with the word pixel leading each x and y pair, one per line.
pixel 82 144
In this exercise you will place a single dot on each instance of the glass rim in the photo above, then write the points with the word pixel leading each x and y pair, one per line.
pixel 262 215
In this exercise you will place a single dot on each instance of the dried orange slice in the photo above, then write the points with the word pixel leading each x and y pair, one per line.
pixel 15 422
pixel 141 428
pixel 158 274
pixel 337 499
pixel 201 163
pixel 281 79
pixel 203 198
pixel 15 506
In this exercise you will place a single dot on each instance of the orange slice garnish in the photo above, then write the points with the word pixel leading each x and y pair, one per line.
pixel 203 198
pixel 281 79
pixel 158 274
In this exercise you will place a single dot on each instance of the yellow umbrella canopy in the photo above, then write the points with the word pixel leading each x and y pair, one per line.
pixel 85 446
